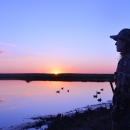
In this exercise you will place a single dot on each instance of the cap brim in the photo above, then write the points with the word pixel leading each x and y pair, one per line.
pixel 115 37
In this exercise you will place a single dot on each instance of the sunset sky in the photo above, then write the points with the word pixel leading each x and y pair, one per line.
pixel 63 36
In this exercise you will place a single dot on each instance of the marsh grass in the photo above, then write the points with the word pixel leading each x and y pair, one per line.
pixel 99 119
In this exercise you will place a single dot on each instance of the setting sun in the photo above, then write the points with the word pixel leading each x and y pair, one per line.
pixel 56 72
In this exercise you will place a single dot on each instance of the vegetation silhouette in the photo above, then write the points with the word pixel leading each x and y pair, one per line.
pixel 98 119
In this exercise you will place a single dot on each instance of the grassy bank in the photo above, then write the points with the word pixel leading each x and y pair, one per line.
pixel 90 119
pixel 99 119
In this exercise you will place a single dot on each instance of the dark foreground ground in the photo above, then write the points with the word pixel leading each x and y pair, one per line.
pixel 89 120
pixel 99 119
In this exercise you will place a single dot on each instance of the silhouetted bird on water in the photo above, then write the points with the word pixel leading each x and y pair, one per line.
pixel 99 99
pixel 57 91
pixel 95 96
pixel 98 92
pixel 67 90
pixel 62 88
pixel 102 89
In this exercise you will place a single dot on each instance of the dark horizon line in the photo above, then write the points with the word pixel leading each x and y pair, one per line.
pixel 56 73
pixel 58 77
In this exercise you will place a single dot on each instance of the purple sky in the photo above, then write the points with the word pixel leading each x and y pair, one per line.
pixel 65 36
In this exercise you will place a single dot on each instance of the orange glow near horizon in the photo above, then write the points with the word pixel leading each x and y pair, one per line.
pixel 53 69
pixel 56 72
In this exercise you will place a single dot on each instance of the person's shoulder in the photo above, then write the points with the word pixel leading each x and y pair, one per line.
pixel 125 61
pixel 125 58
pixel 128 56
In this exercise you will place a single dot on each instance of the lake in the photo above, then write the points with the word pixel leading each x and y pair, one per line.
pixel 20 100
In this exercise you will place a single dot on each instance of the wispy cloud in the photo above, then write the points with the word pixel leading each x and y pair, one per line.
pixel 1 52
pixel 8 93
pixel 8 59
pixel 22 59
pixel 8 44
pixel 1 100
pixel 11 45
pixel 30 58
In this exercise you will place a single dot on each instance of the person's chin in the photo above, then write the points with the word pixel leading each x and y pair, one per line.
pixel 118 50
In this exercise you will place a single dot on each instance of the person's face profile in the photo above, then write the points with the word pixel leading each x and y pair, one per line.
pixel 120 45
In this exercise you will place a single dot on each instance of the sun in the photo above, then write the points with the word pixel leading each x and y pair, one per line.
pixel 56 72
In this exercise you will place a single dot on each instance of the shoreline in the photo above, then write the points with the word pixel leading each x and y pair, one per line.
pixel 48 122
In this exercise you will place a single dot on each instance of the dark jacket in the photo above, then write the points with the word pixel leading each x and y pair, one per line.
pixel 121 98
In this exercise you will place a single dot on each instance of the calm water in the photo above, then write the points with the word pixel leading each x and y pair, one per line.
pixel 19 100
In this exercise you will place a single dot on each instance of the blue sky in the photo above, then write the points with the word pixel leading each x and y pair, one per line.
pixel 67 36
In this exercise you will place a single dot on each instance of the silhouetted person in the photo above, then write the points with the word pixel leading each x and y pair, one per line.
pixel 102 89
pixel 99 99
pixel 121 98
pixel 62 88
pixel 67 90
pixel 95 96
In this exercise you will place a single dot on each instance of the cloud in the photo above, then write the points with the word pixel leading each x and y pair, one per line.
pixel 23 58
pixel 1 100
pixel 1 52
pixel 7 44
pixel 8 93
pixel 28 58
pixel 7 59
pixel 12 45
